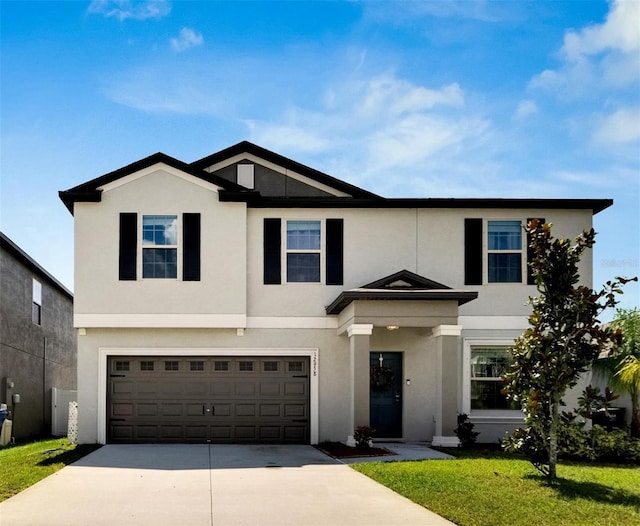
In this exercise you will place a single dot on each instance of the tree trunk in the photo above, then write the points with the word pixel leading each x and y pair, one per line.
pixel 553 439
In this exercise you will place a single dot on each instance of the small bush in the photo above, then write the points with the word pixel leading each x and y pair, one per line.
pixel 465 433
pixel 363 436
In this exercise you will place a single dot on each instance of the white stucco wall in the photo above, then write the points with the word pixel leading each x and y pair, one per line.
pixel 161 191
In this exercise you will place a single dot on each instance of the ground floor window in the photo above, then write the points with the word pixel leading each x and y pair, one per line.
pixel 488 366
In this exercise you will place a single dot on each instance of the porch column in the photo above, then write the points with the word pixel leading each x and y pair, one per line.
pixel 359 336
pixel 449 383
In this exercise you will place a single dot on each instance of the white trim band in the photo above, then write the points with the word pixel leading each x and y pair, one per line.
pixel 447 330
pixel 155 321
pixel 360 329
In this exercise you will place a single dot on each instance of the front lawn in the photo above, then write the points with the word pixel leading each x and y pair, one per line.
pixel 23 465
pixel 492 489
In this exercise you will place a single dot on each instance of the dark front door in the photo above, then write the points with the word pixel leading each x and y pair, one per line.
pixel 386 394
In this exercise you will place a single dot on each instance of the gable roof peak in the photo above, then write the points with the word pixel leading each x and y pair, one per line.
pixel 246 147
pixel 405 279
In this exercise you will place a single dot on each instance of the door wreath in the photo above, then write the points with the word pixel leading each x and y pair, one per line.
pixel 381 378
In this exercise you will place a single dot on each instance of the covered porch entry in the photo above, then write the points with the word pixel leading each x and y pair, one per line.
pixel 405 357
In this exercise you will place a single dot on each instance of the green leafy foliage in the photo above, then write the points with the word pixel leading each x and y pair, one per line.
pixel 621 365
pixel 363 435
pixel 465 433
pixel 563 340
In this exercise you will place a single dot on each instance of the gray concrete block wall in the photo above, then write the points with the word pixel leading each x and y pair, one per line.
pixel 35 357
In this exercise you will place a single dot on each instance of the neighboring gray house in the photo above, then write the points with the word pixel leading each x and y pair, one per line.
pixel 37 339
pixel 246 297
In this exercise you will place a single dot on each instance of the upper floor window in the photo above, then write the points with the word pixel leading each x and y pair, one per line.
pixel 160 246
pixel 488 365
pixel 36 303
pixel 504 251
pixel 303 251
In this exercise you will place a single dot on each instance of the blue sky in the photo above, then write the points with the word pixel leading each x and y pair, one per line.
pixel 406 99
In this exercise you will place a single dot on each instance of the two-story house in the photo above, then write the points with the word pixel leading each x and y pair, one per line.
pixel 37 341
pixel 246 297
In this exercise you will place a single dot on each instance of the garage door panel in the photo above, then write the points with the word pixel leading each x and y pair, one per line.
pixel 221 410
pixel 270 388
pixel 246 433
pixel 295 433
pixel 147 389
pixel 194 409
pixel 295 410
pixel 143 409
pixel 121 410
pixel 171 409
pixel 245 388
pixel 272 410
pixel 123 387
pixel 171 388
pixel 121 432
pixel 221 433
pixel 243 410
pixel 208 399
pixel 174 432
pixel 270 433
pixel 221 388
pixel 193 389
pixel 294 389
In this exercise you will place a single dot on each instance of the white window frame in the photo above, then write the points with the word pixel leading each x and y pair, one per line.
pixel 287 251
pixel 486 251
pixel 36 299
pixel 468 345
pixel 177 246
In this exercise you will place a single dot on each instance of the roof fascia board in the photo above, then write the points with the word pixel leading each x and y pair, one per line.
pixel 594 205
pixel 32 264
pixel 155 168
pixel 348 296
pixel 276 168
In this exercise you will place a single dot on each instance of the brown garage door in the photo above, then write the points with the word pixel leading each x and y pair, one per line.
pixel 208 399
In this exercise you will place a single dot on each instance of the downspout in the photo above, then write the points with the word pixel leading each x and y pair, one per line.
pixel 44 384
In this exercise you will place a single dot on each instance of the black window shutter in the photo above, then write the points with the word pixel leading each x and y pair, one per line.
pixel 272 243
pixel 530 279
pixel 473 251
pixel 191 247
pixel 335 243
pixel 128 246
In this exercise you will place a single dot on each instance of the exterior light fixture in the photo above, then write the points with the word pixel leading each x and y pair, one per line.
pixel 393 327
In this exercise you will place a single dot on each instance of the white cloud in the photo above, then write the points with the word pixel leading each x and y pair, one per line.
pixel 384 133
pixel 598 56
pixel 622 126
pixel 187 39
pixel 526 108
pixel 136 10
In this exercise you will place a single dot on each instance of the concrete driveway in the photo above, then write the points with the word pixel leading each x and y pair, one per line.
pixel 210 485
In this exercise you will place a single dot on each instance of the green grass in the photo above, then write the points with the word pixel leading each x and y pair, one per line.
pixel 490 489
pixel 23 465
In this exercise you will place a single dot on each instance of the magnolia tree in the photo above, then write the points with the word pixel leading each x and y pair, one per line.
pixel 563 339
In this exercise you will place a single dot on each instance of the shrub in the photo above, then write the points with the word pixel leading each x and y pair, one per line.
pixel 363 436
pixel 465 433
